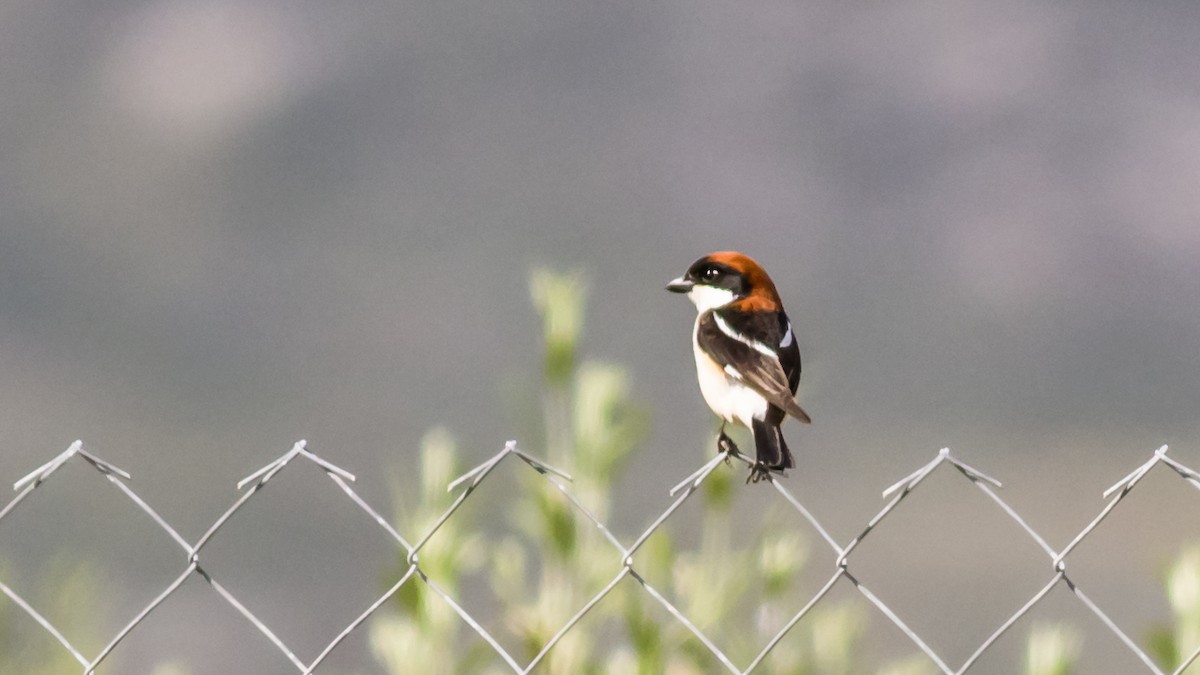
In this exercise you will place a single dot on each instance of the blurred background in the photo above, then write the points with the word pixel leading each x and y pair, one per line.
pixel 227 225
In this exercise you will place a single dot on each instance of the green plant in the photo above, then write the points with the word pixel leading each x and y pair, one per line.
pixel 1052 649
pixel 1172 645
pixel 424 636
pixel 555 561
pixel 65 592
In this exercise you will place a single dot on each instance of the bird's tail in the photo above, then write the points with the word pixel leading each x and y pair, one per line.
pixel 772 451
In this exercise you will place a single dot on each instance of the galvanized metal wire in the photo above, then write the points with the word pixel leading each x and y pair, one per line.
pixel 625 556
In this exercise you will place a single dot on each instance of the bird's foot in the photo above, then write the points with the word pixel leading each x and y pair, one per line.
pixel 758 472
pixel 726 445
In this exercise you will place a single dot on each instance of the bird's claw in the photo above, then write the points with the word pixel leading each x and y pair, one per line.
pixel 726 445
pixel 758 472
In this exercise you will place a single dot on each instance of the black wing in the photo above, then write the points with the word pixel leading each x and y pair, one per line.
pixel 748 345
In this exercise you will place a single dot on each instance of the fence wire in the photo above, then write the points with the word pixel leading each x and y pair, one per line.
pixel 625 554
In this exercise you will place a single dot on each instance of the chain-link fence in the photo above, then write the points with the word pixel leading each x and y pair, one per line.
pixel 625 555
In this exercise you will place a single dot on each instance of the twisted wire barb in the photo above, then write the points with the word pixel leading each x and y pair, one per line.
pixel 626 563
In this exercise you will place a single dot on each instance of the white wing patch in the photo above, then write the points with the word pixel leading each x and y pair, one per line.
pixel 753 344
pixel 787 337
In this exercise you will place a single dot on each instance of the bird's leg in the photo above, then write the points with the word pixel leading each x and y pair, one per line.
pixel 725 444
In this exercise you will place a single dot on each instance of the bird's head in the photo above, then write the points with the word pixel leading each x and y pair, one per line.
pixel 721 278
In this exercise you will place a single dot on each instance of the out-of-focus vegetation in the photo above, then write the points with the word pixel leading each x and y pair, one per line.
pixel 1172 645
pixel 66 592
pixel 554 561
pixel 1055 649
pixel 1052 649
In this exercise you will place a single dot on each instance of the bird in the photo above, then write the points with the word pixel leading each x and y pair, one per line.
pixel 747 360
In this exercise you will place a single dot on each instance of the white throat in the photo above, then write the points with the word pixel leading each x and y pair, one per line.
pixel 709 297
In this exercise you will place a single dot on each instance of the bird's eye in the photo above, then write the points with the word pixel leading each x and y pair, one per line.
pixel 710 274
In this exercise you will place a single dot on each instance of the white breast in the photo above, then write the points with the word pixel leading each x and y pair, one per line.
pixel 725 394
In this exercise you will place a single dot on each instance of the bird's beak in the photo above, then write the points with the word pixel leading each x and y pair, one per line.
pixel 680 285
